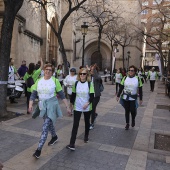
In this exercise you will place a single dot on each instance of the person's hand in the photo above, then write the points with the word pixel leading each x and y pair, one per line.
pixel 86 105
pixel 68 111
pixel 140 102
pixel 30 109
pixel 117 98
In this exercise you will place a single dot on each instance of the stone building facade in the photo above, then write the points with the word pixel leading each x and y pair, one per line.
pixel 33 38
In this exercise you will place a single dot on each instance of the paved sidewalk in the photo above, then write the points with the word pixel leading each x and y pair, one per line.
pixel 110 147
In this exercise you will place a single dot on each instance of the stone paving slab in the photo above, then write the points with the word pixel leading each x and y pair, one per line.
pixel 162 113
pixel 161 124
pixel 156 165
pixel 118 119
pixel 86 158
pixel 112 136
pixel 12 143
pixel 36 124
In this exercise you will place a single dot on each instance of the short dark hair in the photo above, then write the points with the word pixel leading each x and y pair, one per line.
pixel 132 66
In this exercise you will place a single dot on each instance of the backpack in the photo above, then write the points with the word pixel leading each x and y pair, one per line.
pixel 29 82
pixel 77 82
pixel 101 85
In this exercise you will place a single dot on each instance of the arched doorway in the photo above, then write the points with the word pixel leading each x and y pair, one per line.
pixel 53 43
pixel 96 57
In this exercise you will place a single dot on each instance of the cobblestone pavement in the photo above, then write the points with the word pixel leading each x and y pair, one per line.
pixel 110 147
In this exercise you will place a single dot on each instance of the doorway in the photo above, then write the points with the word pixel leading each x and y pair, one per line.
pixel 96 57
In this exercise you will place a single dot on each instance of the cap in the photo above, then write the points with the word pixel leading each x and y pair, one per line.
pixel 73 70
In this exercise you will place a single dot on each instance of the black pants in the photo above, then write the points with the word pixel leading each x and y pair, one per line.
pixel 28 99
pixel 94 105
pixel 152 84
pixel 117 87
pixel 130 107
pixel 77 116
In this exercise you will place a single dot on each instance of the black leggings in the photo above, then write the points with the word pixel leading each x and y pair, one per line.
pixel 77 115
pixel 130 107
pixel 117 87
pixel 94 105
pixel 152 84
pixel 28 99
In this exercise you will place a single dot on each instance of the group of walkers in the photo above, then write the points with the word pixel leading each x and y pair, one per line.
pixel 84 91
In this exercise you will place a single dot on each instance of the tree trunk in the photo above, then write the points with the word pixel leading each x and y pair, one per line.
pixel 11 9
pixel 63 53
pixel 99 40
pixel 123 51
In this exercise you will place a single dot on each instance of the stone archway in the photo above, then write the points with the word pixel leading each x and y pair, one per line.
pixel 53 43
pixel 96 57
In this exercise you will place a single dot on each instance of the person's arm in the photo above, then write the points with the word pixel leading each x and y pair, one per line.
pixel 62 96
pixel 31 101
pixel 42 64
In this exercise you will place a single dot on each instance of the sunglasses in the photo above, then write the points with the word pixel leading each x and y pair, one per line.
pixel 48 70
pixel 131 70
pixel 83 74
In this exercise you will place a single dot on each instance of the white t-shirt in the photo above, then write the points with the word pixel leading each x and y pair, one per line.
pixel 130 86
pixel 11 74
pixel 82 96
pixel 60 77
pixel 118 77
pixel 70 80
pixel 46 89
pixel 152 75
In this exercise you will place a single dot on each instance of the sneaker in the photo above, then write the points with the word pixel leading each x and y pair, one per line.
pixel 127 126
pixel 71 147
pixel 91 127
pixel 86 139
pixel 37 154
pixel 53 141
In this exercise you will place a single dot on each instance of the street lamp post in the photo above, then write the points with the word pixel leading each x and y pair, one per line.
pixel 128 58
pixel 84 29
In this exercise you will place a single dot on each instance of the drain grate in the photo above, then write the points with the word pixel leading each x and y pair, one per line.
pixel 162 142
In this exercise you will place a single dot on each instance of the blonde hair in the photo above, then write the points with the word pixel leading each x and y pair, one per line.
pixel 49 65
pixel 88 77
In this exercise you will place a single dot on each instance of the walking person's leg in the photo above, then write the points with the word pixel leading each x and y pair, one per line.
pixel 43 137
pixel 133 111
pixel 53 134
pixel 153 85
pixel 117 87
pixel 93 112
pixel 28 99
pixel 150 85
pixel 87 123
pixel 127 113
pixel 77 116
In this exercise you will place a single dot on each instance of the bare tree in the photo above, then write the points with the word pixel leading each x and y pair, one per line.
pixel 10 11
pixel 72 7
pixel 121 33
pixel 156 27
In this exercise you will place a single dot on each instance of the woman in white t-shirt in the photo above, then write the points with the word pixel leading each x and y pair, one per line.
pixel 69 81
pixel 81 99
pixel 46 87
pixel 118 78
pixel 130 85
pixel 60 74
